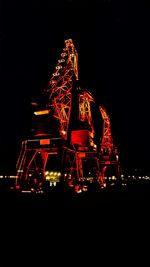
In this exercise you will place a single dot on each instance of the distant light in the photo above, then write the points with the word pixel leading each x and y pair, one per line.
pixel 34 104
pixel 20 170
pixel 17 186
pixel 85 188
pixel 78 191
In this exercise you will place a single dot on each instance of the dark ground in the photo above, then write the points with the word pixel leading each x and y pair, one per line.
pixel 54 226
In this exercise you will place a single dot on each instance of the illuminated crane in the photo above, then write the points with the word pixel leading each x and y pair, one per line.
pixel 67 148
pixel 34 153
pixel 108 154
pixel 81 157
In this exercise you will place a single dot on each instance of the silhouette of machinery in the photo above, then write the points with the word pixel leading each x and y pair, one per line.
pixel 64 142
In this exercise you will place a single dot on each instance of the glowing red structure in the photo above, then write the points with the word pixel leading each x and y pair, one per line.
pixel 60 86
pixel 67 148
pixel 82 154
pixel 59 90
pixel 107 141
pixel 108 152
pixel 35 153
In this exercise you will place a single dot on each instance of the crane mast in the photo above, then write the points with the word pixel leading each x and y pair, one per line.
pixel 109 161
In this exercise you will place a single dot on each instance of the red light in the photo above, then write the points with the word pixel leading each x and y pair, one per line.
pixel 45 142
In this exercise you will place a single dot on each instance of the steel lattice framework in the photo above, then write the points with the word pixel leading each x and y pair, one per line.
pixel 79 155
pixel 107 141
pixel 85 98
pixel 109 160
pixel 60 86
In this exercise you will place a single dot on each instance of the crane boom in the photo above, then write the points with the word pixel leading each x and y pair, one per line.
pixel 60 85
pixel 107 141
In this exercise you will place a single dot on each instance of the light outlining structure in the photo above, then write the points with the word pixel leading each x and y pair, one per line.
pixel 75 156
pixel 107 141
pixel 85 109
pixel 60 86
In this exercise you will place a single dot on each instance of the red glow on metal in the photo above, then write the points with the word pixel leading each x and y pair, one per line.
pixel 79 154
pixel 85 108
pixel 60 85
pixel 107 162
pixel 80 137
pixel 44 141
pixel 107 141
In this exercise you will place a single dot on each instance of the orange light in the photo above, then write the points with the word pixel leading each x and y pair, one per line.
pixel 41 112
pixel 45 142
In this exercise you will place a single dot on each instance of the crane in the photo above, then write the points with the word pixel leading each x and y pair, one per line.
pixel 71 147
pixel 35 152
pixel 108 151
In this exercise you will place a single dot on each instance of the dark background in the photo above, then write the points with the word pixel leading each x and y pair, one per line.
pixel 112 40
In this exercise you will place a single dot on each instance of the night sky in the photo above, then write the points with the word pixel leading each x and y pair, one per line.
pixel 112 40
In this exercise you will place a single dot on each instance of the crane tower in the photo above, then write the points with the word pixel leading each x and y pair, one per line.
pixel 51 120
pixel 108 152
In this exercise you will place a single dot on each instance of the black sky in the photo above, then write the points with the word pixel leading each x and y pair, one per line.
pixel 112 39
